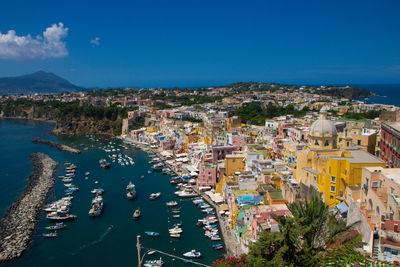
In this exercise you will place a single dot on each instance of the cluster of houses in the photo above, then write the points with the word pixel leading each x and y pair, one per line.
pixel 252 172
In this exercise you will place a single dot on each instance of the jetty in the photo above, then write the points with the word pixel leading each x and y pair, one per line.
pixel 57 146
pixel 19 221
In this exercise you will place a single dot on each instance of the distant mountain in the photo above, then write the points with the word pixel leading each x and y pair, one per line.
pixel 39 82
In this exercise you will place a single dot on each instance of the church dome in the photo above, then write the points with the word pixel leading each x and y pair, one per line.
pixel 323 127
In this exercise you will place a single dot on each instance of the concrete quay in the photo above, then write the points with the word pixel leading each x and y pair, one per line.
pixel 57 146
pixel 19 221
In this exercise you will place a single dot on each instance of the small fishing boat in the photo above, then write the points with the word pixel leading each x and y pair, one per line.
pixel 155 234
pixel 50 235
pixel 136 214
pixel 154 195
pixel 57 226
pixel 192 254
pixel 172 203
pixel 175 235
pixel 153 263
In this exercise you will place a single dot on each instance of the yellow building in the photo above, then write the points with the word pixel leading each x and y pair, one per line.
pixel 234 163
pixel 342 172
pixel 150 129
pixel 233 122
pixel 328 168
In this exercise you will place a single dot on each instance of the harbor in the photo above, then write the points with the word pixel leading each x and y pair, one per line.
pixel 87 238
pixel 232 247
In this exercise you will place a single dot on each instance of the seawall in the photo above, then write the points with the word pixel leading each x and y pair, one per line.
pixel 19 221
pixel 57 146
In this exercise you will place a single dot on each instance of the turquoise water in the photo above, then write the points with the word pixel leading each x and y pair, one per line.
pixel 88 241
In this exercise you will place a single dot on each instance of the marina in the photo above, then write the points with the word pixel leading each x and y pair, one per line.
pixel 113 182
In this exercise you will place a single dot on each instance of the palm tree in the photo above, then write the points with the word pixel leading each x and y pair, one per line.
pixel 304 238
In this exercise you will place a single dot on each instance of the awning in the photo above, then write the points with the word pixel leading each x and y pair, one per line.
pixel 342 208
pixel 223 207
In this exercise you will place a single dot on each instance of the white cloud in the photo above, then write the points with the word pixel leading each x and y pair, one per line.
pixel 95 42
pixel 23 48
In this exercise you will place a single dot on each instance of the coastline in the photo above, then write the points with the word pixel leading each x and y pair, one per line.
pixel 28 119
pixel 19 221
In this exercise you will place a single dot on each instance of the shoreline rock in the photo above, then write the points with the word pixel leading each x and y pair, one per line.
pixel 57 146
pixel 19 221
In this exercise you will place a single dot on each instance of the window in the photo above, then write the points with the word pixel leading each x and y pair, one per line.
pixel 333 179
pixel 333 189
pixel 331 197
pixel 348 143
pixel 345 171
pixel 316 142
pixel 326 142
pixel 234 160
pixel 359 142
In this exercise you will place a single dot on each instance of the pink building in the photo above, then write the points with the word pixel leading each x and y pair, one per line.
pixel 165 113
pixel 207 175
pixel 220 152
pixel 240 141
pixel 136 134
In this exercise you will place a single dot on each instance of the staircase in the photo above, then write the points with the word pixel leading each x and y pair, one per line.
pixel 376 246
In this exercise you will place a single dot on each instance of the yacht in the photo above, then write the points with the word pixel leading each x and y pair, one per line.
pixel 192 254
pixel 97 206
pixel 154 195
pixel 130 191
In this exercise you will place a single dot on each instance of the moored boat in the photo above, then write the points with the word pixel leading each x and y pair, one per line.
pixel 155 234
pixel 154 195
pixel 136 214
pixel 172 203
pixel 192 254
pixel 97 206
pixel 60 217
pixel 57 226
pixel 50 235
pixel 153 263
pixel 130 191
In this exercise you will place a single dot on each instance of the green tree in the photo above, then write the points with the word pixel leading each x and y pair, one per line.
pixel 304 238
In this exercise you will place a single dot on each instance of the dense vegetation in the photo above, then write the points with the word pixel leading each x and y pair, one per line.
pixel 187 100
pixel 69 113
pixel 312 236
pixel 371 114
pixel 255 114
pixel 113 92
pixel 347 92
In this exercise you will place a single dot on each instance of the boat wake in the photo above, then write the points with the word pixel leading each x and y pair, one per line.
pixel 94 242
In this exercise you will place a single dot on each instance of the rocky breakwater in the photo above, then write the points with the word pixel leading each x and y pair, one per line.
pixel 19 221
pixel 57 146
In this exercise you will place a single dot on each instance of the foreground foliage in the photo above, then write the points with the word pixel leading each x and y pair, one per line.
pixel 312 236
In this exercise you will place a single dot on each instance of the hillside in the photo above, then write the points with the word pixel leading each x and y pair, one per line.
pixel 40 82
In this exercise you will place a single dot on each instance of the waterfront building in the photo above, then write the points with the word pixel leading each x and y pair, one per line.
pixel 390 143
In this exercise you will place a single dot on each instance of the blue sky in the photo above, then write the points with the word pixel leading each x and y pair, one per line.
pixel 194 43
